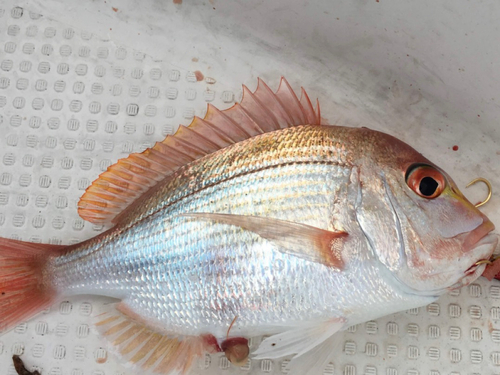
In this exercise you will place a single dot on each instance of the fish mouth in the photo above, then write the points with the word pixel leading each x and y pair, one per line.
pixel 477 237
pixel 485 246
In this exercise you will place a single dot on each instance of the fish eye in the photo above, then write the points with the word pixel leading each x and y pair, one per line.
pixel 425 180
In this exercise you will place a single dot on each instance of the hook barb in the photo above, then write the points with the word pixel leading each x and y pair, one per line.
pixel 485 181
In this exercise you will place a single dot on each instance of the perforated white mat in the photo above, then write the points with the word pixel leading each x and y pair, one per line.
pixel 75 97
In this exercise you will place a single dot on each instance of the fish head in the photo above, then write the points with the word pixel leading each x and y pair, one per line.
pixel 418 223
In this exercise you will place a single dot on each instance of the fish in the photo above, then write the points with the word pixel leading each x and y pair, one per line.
pixel 255 220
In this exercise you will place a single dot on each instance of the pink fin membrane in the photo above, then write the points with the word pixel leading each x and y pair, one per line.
pixel 259 112
pixel 23 290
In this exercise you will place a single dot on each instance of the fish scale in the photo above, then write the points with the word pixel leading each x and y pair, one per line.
pixel 266 227
pixel 162 248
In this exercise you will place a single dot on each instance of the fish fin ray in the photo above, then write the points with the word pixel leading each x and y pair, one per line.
pixel 24 291
pixel 298 341
pixel 144 347
pixel 315 361
pixel 287 96
pixel 308 108
pixel 129 178
pixel 300 240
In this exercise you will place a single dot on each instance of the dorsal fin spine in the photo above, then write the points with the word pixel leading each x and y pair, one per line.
pixel 188 149
pixel 132 176
pixel 267 118
pixel 102 195
pixel 286 91
pixel 152 163
pixel 272 96
pixel 114 190
pixel 259 112
pixel 127 175
pixel 251 121
pixel 126 184
pixel 223 137
pixel 178 156
pixel 308 108
pixel 318 112
pixel 134 164
pixel 208 145
pixel 155 154
pixel 230 121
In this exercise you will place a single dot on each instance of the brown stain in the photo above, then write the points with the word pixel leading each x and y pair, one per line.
pixel 102 360
pixel 455 148
pixel 211 2
pixel 114 9
pixel 177 2
pixel 490 326
pixel 199 75
pixel 195 59
pixel 19 367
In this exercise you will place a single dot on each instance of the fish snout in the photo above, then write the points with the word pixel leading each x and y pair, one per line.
pixel 479 237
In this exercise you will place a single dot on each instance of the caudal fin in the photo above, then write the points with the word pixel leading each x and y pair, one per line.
pixel 23 288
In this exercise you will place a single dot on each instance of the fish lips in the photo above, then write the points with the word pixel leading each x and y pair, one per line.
pixel 478 237
pixel 484 248
pixel 479 244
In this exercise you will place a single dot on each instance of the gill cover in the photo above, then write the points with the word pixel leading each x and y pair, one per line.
pixel 416 221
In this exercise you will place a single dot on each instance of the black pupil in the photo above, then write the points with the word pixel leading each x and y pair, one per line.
pixel 428 186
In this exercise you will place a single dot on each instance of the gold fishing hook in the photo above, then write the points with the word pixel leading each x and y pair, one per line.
pixel 485 261
pixel 488 261
pixel 481 179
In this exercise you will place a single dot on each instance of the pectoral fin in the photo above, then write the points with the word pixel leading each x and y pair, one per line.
pixel 300 240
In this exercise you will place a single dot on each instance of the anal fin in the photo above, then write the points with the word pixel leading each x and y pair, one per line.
pixel 143 347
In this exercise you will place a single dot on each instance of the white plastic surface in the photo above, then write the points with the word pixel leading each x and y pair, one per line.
pixel 85 83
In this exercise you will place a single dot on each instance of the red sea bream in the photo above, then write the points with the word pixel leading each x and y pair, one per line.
pixel 257 220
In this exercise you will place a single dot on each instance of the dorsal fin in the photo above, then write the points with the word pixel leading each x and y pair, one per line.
pixel 259 112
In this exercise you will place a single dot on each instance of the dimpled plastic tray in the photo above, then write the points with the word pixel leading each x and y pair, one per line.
pixel 73 101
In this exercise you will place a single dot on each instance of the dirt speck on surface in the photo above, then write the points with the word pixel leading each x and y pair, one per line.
pixel 19 367
pixel 101 360
pixel 455 148
pixel 195 59
pixel 177 1
pixel 199 75
pixel 114 9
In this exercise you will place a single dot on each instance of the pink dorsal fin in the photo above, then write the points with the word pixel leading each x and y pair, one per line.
pixel 259 112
